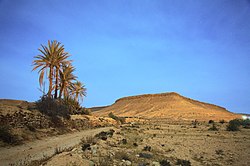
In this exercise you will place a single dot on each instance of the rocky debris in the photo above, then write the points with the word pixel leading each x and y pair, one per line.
pixel 145 155
pixel 69 158
pixel 125 163
pixel 23 119
pixel 155 163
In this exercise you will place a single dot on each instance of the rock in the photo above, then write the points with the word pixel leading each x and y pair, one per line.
pixel 127 162
pixel 91 163
pixel 155 163
pixel 145 155
pixel 94 149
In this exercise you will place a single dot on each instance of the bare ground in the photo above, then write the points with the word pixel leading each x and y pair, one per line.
pixel 147 143
pixel 44 148
pixel 151 143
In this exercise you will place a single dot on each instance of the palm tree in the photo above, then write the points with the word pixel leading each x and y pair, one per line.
pixel 66 78
pixel 78 90
pixel 60 61
pixel 52 57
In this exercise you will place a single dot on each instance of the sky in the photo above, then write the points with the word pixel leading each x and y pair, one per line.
pixel 197 48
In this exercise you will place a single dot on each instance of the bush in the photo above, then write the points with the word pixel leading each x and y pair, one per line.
pixel 165 163
pixel 122 155
pixel 104 135
pixel 222 121
pixel 246 123
pixel 210 121
pixel 213 128
pixel 234 125
pixel 71 104
pixel 7 137
pixel 53 107
pixel 119 119
pixel 83 111
pixel 183 162
pixel 147 148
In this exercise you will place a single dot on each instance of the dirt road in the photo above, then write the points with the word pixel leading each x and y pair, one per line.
pixel 43 148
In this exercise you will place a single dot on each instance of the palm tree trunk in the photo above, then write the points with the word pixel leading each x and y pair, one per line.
pixel 50 81
pixel 56 88
pixel 61 90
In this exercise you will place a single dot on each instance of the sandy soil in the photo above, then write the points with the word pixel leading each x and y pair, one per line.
pixel 150 143
pixel 40 149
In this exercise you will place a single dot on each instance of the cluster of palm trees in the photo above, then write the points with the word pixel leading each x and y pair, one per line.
pixel 53 64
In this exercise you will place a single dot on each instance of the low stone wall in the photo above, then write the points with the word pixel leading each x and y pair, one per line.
pixel 21 119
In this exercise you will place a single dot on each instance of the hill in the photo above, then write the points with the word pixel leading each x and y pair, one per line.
pixel 166 105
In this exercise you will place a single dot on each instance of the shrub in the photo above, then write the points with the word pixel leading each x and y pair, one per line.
pixel 222 121
pixel 246 123
pixel 119 119
pixel 124 141
pixel 122 155
pixel 82 111
pixel 135 144
pixel 183 162
pixel 165 163
pixel 213 128
pixel 234 125
pixel 219 152
pixel 210 121
pixel 7 137
pixel 147 148
pixel 104 135
pixel 53 107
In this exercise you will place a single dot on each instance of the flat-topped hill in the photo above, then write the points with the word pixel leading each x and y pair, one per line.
pixel 167 105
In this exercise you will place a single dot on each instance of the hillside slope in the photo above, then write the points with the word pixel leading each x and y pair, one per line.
pixel 167 105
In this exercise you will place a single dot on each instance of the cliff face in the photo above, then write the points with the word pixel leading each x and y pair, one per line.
pixel 167 105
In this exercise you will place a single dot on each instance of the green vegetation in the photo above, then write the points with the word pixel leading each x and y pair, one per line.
pixel 234 125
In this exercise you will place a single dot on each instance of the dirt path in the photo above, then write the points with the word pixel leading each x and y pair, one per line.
pixel 43 148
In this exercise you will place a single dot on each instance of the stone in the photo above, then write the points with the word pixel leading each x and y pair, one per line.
pixel 155 163
pixel 91 163
pixel 128 163
pixel 145 155
pixel 94 149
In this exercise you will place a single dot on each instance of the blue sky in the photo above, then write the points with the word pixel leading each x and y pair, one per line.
pixel 198 48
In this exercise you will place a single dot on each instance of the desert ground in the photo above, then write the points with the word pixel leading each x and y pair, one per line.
pixel 179 131
pixel 156 142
